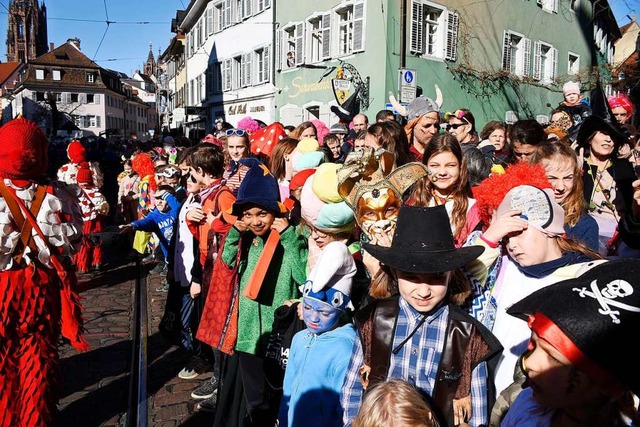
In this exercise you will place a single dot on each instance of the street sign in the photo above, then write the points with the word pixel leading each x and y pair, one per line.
pixel 407 84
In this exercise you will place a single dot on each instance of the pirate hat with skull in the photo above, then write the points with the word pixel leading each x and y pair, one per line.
pixel 591 319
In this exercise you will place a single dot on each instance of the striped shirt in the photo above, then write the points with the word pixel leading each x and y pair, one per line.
pixel 416 362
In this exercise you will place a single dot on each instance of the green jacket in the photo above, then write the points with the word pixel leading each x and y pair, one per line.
pixel 286 273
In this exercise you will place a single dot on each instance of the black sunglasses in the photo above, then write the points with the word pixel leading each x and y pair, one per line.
pixel 455 125
pixel 238 132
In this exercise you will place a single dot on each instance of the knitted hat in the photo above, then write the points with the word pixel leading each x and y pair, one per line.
pixel 590 319
pixel 259 187
pixel 321 205
pixel 331 279
pixel 23 149
pixel 76 152
pixel 338 129
pixel 306 155
pixel 84 175
pixel 539 208
pixel 571 87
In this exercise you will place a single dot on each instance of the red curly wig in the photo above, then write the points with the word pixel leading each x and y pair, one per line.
pixel 490 192
pixel 144 167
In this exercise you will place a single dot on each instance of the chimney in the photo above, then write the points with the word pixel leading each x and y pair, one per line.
pixel 74 41
pixel 51 46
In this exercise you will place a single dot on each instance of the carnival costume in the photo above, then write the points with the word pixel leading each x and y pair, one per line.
pixel 40 225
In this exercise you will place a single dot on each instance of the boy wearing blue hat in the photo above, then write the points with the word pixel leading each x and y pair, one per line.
pixel 319 355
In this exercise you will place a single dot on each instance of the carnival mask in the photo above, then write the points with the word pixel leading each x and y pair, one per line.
pixel 377 211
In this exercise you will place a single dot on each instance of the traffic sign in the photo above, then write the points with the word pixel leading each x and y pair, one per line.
pixel 407 84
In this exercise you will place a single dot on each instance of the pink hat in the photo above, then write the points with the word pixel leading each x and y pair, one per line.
pixel 571 87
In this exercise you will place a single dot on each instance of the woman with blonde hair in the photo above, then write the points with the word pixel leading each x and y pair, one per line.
pixel 560 163
pixel 395 403
pixel 304 130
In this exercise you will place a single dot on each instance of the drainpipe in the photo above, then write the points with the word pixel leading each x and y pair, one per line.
pixel 274 49
pixel 403 33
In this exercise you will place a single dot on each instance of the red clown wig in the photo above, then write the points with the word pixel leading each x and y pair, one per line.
pixel 490 192
pixel 144 167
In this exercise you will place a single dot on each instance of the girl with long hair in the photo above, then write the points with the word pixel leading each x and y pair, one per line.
pixel 560 163
pixel 447 184
pixel 390 136
pixel 281 165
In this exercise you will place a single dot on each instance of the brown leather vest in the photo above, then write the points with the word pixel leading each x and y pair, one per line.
pixel 466 345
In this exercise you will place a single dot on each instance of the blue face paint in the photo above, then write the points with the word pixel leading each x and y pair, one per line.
pixel 319 316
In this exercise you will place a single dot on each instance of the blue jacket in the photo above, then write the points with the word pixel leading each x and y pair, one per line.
pixel 160 223
pixel 313 378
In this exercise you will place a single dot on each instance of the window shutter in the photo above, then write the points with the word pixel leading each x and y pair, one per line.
pixel 453 23
pixel 555 6
pixel 358 26
pixel 246 69
pixel 227 14
pixel 82 98
pixel 66 97
pixel 96 98
pixel 554 63
pixel 299 34
pixel 506 51
pixel 326 36
pixel 226 75
pixel 246 8
pixel 267 3
pixel 98 121
pixel 537 60
pixel 527 58
pixel 266 64
pixel 417 27
pixel 279 41
pixel 210 19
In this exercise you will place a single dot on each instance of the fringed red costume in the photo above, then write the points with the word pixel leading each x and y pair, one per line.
pixel 40 224
pixel 86 179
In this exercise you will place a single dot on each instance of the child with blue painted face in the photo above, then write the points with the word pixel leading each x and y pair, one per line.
pixel 319 355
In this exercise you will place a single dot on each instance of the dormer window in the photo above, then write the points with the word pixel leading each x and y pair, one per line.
pixel 91 77
pixel 39 74
pixel 57 75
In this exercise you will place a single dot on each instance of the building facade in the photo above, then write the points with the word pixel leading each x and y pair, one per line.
pixel 501 60
pixel 65 92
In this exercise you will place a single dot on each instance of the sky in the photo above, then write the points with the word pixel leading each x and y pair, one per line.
pixel 126 45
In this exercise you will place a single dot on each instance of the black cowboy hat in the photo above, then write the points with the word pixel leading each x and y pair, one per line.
pixel 423 243
pixel 597 312
pixel 593 124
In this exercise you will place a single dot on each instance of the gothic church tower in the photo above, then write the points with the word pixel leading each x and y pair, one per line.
pixel 27 30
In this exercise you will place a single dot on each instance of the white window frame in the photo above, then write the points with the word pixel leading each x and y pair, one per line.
pixel 521 66
pixel 209 20
pixel 262 60
pixel 292 37
pixel 318 37
pixel 247 9
pixel 350 32
pixel 39 74
pixel 218 17
pixel 545 62
pixel 550 6
pixel 573 67
pixel 56 75
pixel 443 30
pixel 262 5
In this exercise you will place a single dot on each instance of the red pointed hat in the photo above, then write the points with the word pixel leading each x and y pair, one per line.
pixel 76 152
pixel 263 140
pixel 23 149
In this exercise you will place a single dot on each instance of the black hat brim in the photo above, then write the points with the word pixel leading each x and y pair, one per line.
pixel 593 124
pixel 424 262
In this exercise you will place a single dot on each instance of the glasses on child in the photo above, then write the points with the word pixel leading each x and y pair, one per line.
pixel 237 132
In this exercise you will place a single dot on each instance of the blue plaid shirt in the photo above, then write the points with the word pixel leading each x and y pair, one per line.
pixel 416 362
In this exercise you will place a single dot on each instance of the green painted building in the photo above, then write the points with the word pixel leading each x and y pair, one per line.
pixel 502 59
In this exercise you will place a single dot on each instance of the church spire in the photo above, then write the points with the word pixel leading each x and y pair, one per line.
pixel 150 66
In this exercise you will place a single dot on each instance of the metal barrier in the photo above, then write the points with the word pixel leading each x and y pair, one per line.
pixel 137 413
